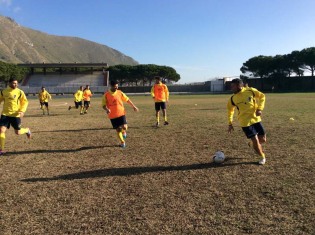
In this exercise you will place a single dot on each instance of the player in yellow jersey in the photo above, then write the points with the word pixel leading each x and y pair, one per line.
pixel 160 94
pixel 112 103
pixel 14 107
pixel 250 103
pixel 87 94
pixel 78 98
pixel 44 97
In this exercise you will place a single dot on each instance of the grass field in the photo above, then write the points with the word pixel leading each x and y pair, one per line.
pixel 71 178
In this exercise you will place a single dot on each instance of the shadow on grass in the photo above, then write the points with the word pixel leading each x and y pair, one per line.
pixel 77 130
pixel 127 171
pixel 58 150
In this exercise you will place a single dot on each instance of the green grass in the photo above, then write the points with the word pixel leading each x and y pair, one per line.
pixel 71 178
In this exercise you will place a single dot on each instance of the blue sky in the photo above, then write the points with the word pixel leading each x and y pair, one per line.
pixel 201 39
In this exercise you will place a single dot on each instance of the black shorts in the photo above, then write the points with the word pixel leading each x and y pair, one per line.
pixel 87 103
pixel 255 129
pixel 77 104
pixel 6 121
pixel 160 105
pixel 117 122
pixel 43 103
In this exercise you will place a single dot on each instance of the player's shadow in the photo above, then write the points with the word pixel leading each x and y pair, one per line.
pixel 77 130
pixel 59 150
pixel 128 171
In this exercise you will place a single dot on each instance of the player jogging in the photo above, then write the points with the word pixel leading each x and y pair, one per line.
pixel 14 107
pixel 250 103
pixel 112 103
pixel 44 97
pixel 78 97
pixel 160 94
pixel 87 98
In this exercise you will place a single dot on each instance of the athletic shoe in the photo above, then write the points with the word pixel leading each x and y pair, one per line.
pixel 262 161
pixel 157 124
pixel 2 152
pixel 85 112
pixel 123 145
pixel 125 135
pixel 165 123
pixel 81 113
pixel 29 134
pixel 69 108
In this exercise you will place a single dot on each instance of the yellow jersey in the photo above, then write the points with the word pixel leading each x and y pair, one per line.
pixel 247 101
pixel 44 96
pixel 78 96
pixel 160 92
pixel 114 102
pixel 15 101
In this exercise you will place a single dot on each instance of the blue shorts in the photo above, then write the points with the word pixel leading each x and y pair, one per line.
pixel 15 122
pixel 160 105
pixel 255 129
pixel 117 122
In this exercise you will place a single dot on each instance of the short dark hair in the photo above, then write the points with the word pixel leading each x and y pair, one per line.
pixel 113 82
pixel 12 79
pixel 157 78
pixel 237 81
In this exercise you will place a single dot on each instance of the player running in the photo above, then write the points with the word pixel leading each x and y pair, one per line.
pixel 87 94
pixel 78 97
pixel 44 97
pixel 14 107
pixel 112 103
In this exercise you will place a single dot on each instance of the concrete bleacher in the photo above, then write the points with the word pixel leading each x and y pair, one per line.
pixel 64 83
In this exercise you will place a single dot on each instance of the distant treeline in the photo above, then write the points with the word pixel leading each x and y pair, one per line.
pixel 296 63
pixel 134 75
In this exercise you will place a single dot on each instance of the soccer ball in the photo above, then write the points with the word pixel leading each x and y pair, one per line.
pixel 218 157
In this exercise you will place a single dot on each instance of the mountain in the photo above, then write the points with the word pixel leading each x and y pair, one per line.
pixel 19 44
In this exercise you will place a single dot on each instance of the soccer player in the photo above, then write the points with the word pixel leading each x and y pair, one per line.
pixel 112 103
pixel 87 98
pixel 78 97
pixel 250 103
pixel 44 97
pixel 160 94
pixel 14 107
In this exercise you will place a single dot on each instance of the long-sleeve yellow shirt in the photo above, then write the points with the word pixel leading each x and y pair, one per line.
pixel 160 92
pixel 14 100
pixel 78 96
pixel 44 96
pixel 247 101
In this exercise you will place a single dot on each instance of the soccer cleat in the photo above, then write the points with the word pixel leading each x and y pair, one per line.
pixel 69 108
pixel 81 113
pixel 2 152
pixel 122 145
pixel 157 124
pixel 125 135
pixel 85 112
pixel 165 123
pixel 262 161
pixel 29 134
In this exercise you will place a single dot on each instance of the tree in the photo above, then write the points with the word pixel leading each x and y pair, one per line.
pixel 259 66
pixel 308 58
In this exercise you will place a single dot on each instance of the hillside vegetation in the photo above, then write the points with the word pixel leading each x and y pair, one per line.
pixel 19 44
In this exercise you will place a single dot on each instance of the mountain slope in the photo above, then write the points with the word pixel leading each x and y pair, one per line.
pixel 23 45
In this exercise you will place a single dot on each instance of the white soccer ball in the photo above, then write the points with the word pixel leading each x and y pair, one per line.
pixel 219 157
